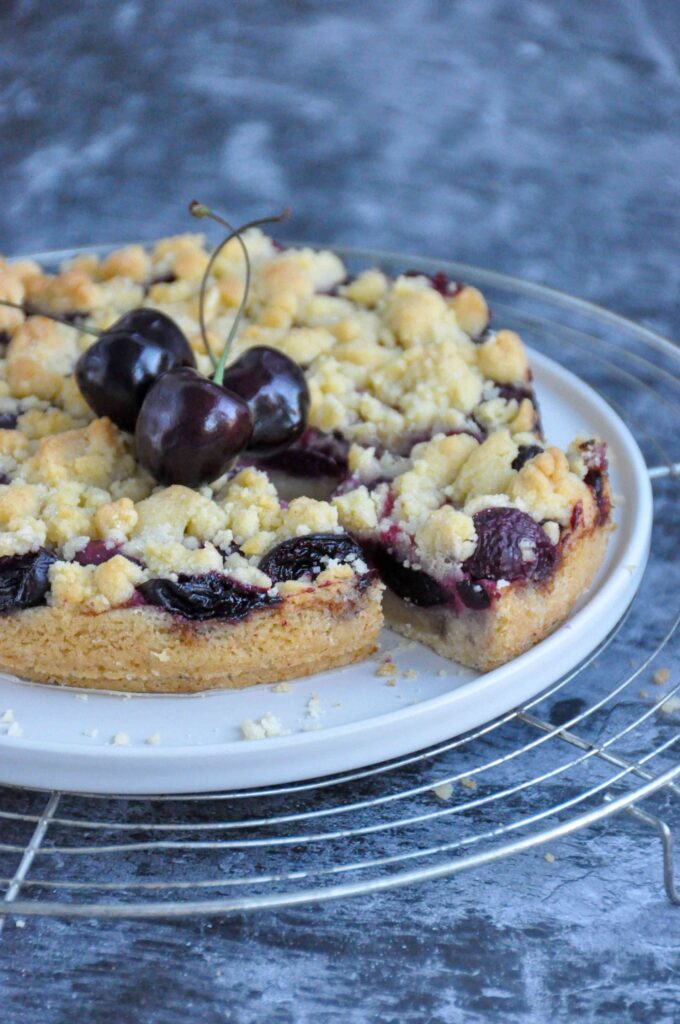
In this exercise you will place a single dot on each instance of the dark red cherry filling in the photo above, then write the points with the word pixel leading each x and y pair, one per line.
pixel 525 453
pixel 210 596
pixel 24 579
pixel 595 458
pixel 97 551
pixel 510 546
pixel 412 585
pixel 314 455
pixel 439 281
pixel 298 557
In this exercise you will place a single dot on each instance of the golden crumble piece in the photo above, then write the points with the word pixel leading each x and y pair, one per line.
pixel 132 262
pixel 367 289
pixel 324 310
pixel 116 579
pixel 306 515
pixel 230 290
pixel 37 423
pixel 433 377
pixel 334 573
pixel 487 470
pixel 14 444
pixel 304 344
pixel 18 501
pixel 277 317
pixel 258 543
pixel 12 290
pixel 414 314
pixel 360 352
pixel 39 356
pixel 282 282
pixel 549 490
pixel 21 535
pixel 71 583
pixel 442 458
pixel 67 512
pixel 72 401
pixel 182 255
pixel 86 262
pixel 357 510
pixel 71 291
pixel 503 358
pixel 251 490
pixel 96 455
pixel 174 511
pixel 472 312
pixel 525 420
pixel 446 535
pixel 23 269
pixel 163 558
pixel 115 520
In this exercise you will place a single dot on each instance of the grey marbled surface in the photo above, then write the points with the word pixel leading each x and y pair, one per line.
pixel 539 139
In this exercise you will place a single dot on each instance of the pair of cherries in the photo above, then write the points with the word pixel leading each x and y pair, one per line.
pixel 141 373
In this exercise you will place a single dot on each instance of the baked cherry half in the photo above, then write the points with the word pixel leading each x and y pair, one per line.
pixel 510 546
pixel 190 429
pixel 116 372
pixel 25 579
pixel 308 556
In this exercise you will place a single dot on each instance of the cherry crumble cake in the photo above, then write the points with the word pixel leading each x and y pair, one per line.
pixel 365 445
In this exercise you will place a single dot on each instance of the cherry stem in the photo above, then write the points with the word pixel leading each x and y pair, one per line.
pixel 28 311
pixel 200 210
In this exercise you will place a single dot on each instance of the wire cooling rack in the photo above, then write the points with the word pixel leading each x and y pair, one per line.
pixel 599 742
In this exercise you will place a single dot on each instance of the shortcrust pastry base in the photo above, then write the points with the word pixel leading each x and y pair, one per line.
pixel 519 619
pixel 147 650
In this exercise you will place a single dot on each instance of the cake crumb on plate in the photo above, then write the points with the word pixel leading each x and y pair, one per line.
pixel 443 791
pixel 266 727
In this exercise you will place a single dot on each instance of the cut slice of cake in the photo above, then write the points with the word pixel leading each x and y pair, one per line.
pixel 484 547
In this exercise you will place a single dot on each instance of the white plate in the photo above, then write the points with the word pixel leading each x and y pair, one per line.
pixel 67 735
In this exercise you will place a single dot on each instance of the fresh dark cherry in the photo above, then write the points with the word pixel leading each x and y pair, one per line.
pixel 410 584
pixel 24 579
pixel 308 556
pixel 8 420
pixel 190 429
pixel 498 555
pixel 525 453
pixel 116 372
pixel 211 596
pixel 275 390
